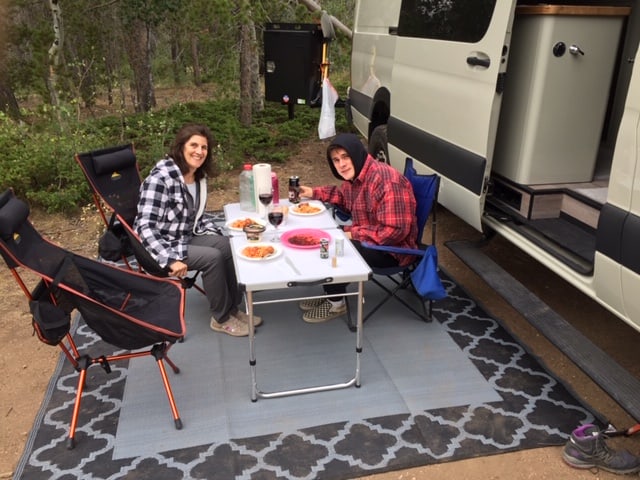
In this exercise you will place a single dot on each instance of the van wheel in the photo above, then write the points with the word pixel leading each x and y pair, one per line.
pixel 378 147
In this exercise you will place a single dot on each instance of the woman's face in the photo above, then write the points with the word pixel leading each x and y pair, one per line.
pixel 343 163
pixel 195 152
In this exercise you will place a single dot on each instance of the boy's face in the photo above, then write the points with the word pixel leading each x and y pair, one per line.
pixel 343 163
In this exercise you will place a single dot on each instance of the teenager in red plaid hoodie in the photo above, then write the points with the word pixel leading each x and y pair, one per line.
pixel 380 202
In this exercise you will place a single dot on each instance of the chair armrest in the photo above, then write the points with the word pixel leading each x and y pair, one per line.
pixel 389 248
pixel 337 212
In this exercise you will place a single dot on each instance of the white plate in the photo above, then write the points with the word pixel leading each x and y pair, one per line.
pixel 255 218
pixel 277 251
pixel 319 205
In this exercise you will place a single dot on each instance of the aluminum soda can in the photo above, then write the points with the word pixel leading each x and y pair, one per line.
pixel 294 189
pixel 339 247
pixel 324 248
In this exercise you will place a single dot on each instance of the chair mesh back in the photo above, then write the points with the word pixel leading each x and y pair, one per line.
pixel 23 245
pixel 127 309
pixel 114 176
pixel 425 190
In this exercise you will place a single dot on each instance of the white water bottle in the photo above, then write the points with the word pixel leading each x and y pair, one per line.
pixel 247 198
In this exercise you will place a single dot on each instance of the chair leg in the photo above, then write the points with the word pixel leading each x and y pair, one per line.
pixel 381 302
pixel 173 366
pixel 83 364
pixel 73 358
pixel 159 353
pixel 424 316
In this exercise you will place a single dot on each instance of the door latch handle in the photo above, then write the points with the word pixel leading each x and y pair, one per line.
pixel 478 62
pixel 575 50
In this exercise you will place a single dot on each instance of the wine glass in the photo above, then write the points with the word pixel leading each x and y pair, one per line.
pixel 265 199
pixel 276 215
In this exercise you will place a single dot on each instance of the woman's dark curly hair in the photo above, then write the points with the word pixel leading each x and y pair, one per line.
pixel 182 137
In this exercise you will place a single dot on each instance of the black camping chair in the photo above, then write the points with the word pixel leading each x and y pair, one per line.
pixel 425 189
pixel 114 178
pixel 127 309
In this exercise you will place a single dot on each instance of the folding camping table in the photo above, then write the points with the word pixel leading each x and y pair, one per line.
pixel 293 268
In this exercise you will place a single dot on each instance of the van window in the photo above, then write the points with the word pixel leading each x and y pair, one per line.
pixel 453 20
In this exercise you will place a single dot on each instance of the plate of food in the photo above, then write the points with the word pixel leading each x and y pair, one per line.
pixel 307 208
pixel 238 224
pixel 304 237
pixel 259 252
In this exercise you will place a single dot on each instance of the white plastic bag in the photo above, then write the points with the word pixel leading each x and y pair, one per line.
pixel 327 125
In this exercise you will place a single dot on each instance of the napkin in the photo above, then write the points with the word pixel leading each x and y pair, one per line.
pixel 261 183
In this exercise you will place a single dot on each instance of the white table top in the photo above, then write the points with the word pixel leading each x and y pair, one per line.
pixel 280 271
pixel 322 220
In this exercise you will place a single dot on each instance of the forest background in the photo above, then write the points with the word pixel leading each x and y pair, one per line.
pixel 77 75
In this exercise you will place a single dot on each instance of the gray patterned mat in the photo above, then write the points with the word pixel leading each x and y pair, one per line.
pixel 516 404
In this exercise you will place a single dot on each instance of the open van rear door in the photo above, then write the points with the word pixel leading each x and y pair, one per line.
pixel 447 79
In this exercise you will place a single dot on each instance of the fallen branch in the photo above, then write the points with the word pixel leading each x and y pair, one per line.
pixel 314 7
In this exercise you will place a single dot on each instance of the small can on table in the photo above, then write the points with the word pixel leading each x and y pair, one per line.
pixel 294 189
pixel 324 248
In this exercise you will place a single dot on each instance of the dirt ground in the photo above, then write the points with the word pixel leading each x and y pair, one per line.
pixel 27 364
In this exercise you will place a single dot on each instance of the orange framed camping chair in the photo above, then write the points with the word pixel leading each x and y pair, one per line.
pixel 139 313
pixel 113 175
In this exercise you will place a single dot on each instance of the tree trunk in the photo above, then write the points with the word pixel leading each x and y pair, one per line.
pixel 55 51
pixel 175 56
pixel 251 98
pixel 257 96
pixel 139 52
pixel 8 102
pixel 195 60
pixel 246 101
pixel 314 7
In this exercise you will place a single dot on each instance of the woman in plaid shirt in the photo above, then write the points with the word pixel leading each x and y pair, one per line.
pixel 173 228
pixel 382 207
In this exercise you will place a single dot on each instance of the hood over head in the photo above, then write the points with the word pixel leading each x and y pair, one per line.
pixel 354 147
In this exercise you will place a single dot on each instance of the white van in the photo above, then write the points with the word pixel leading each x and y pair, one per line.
pixel 529 111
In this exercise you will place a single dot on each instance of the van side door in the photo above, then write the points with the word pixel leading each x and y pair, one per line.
pixel 447 78
pixel 617 262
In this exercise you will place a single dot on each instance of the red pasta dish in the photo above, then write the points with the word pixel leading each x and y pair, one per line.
pixel 304 239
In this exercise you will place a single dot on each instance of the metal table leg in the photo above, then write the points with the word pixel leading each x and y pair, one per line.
pixel 255 391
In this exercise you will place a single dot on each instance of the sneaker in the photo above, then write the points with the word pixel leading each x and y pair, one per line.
pixel 233 326
pixel 243 317
pixel 325 311
pixel 587 449
pixel 311 303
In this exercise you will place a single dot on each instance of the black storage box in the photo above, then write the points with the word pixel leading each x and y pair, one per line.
pixel 292 60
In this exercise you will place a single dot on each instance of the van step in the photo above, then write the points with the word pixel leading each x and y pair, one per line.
pixel 618 382
pixel 566 240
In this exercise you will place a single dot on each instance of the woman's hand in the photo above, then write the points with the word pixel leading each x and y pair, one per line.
pixel 178 269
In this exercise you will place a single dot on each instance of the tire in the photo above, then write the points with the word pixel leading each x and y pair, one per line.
pixel 378 147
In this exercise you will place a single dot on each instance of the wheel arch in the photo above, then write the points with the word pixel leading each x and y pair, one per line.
pixel 380 109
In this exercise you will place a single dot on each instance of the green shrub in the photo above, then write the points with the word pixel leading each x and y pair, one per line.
pixel 38 161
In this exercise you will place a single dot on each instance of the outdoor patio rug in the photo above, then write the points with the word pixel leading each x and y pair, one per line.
pixel 456 388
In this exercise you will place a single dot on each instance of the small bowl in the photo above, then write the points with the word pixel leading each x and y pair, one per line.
pixel 254 232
